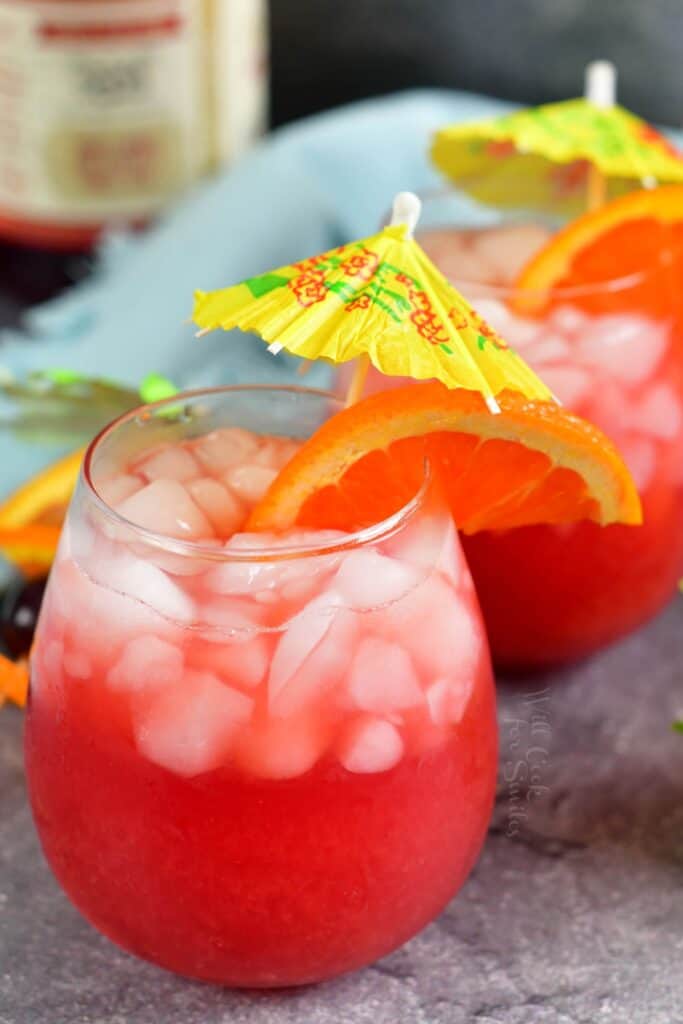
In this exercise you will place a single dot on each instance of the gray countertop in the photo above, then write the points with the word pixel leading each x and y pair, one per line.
pixel 573 915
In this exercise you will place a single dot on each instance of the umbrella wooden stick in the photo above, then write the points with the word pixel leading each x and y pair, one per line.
pixel 406 210
pixel 357 384
pixel 600 89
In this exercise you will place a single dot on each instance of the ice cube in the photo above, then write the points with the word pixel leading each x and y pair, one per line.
pixel 255 577
pixel 230 617
pixel 450 249
pixel 658 413
pixel 300 638
pixel 78 540
pixel 447 699
pixel 508 248
pixel 571 384
pixel 53 658
pixel 473 270
pixel 382 677
pixel 170 463
pixel 568 320
pixel 249 482
pixel 548 348
pixel 47 662
pixel 366 579
pixel 247 577
pixel 226 447
pixel 191 728
pixel 98 619
pixel 77 664
pixel 430 542
pixel 628 347
pixel 522 334
pixel 117 488
pixel 640 455
pixel 298 591
pixel 320 672
pixel 146 663
pixel 370 745
pixel 239 662
pixel 145 583
pixel 176 564
pixel 610 408
pixel 438 627
pixel 269 454
pixel 283 748
pixel 220 506
pixel 165 507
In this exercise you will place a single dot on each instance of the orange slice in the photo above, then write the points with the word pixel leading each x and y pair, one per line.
pixel 31 547
pixel 31 518
pixel 620 239
pixel 43 498
pixel 532 463
pixel 13 681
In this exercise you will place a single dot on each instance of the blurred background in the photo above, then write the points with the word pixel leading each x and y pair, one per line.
pixel 325 53
pixel 104 123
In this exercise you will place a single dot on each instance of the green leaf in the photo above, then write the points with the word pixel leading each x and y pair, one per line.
pixel 677 726
pixel 60 375
pixel 155 387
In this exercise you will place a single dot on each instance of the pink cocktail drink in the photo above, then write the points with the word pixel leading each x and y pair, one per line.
pixel 260 760
pixel 613 353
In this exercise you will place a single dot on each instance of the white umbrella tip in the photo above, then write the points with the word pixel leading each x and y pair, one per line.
pixel 601 83
pixel 406 210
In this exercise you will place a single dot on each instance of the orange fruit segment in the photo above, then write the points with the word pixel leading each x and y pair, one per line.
pixel 13 681
pixel 532 463
pixel 31 518
pixel 630 235
pixel 31 547
pixel 43 498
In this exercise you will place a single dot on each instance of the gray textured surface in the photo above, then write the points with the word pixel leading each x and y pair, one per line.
pixel 576 919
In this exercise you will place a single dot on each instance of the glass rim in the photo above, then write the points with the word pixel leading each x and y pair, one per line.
pixel 568 292
pixel 371 534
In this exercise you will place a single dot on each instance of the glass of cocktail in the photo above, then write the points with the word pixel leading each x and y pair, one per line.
pixel 255 759
pixel 611 349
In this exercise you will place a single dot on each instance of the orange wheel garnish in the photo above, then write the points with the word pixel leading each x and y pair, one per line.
pixel 532 463
pixel 31 547
pixel 43 498
pixel 13 681
pixel 31 518
pixel 620 239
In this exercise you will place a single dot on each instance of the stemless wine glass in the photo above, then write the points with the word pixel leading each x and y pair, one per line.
pixel 612 352
pixel 259 760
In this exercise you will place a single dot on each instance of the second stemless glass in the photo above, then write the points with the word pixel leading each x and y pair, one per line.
pixel 266 761
pixel 613 353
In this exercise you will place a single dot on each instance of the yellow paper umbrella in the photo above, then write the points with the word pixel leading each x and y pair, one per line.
pixel 559 157
pixel 381 301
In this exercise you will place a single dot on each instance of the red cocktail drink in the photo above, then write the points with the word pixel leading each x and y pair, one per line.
pixel 255 759
pixel 613 353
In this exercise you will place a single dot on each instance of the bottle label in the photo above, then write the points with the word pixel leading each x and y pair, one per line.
pixel 109 108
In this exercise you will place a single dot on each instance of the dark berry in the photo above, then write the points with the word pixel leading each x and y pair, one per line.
pixel 18 615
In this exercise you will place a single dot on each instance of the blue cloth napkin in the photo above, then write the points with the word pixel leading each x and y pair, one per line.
pixel 306 187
